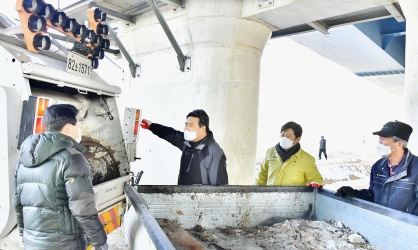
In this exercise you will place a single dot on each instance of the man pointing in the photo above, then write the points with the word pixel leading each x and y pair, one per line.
pixel 203 160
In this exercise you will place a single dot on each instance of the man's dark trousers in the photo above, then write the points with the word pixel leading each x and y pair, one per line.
pixel 325 153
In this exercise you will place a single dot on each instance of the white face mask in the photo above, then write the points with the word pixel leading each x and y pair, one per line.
pixel 285 143
pixel 382 150
pixel 189 136
pixel 79 136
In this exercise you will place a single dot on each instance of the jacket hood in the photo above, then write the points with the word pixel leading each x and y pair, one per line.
pixel 39 147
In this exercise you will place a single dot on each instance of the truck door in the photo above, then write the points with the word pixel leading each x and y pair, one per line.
pixel 9 103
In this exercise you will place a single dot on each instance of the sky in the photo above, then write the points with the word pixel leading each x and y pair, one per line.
pixel 296 84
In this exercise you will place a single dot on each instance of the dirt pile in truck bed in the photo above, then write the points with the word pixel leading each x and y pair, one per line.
pixel 290 234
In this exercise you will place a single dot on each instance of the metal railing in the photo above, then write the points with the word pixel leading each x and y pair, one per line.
pixel 157 235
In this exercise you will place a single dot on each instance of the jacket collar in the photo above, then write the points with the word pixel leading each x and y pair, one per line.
pixel 402 170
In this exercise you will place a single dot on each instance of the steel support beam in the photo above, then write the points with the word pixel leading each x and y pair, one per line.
pixel 59 46
pixel 332 23
pixel 317 25
pixel 5 21
pixel 13 42
pixel 136 10
pixel 387 38
pixel 70 40
pixel 184 61
pixel 395 12
pixel 12 30
pixel 175 3
pixel 133 67
pixel 113 14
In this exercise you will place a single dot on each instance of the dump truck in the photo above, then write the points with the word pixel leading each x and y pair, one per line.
pixel 252 206
pixel 33 81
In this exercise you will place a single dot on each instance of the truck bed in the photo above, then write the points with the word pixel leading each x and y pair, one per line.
pixel 248 206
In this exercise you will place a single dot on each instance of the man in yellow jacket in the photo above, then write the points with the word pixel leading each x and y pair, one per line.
pixel 286 164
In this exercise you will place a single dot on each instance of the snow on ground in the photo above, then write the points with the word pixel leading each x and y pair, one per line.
pixel 115 240
pixel 346 170
pixel 342 169
pixel 13 241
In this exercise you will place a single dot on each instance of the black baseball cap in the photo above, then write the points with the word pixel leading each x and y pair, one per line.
pixel 396 128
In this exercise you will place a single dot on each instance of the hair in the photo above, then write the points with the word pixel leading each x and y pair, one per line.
pixel 203 118
pixel 297 129
pixel 57 116
pixel 405 143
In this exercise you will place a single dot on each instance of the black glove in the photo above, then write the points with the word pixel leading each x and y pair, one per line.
pixel 345 190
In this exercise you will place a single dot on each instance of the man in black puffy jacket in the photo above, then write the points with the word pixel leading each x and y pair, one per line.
pixel 203 161
pixel 54 199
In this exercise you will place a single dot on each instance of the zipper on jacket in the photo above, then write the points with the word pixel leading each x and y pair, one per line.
pixel 190 163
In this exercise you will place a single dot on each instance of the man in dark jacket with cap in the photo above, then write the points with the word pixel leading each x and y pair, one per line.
pixel 54 198
pixel 203 161
pixel 394 178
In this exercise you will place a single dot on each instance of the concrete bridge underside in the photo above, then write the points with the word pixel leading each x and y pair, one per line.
pixel 225 40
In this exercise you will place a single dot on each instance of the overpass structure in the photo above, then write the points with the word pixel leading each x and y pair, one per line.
pixel 373 50
pixel 224 40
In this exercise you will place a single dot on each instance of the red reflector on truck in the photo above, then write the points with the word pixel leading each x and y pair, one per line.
pixel 42 104
pixel 39 125
pixel 136 128
pixel 137 121
pixel 132 122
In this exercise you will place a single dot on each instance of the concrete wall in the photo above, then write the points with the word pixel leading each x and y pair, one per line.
pixel 224 80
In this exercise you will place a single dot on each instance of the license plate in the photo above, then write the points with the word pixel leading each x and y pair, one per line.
pixel 78 65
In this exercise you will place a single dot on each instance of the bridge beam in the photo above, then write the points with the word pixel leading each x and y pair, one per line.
pixel 395 12
pixel 319 27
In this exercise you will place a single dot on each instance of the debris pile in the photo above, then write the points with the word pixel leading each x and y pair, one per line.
pixel 295 234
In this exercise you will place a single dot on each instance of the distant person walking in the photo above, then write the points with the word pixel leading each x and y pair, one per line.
pixel 323 148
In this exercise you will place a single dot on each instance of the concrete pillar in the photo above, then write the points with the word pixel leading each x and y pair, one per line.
pixel 410 9
pixel 225 52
